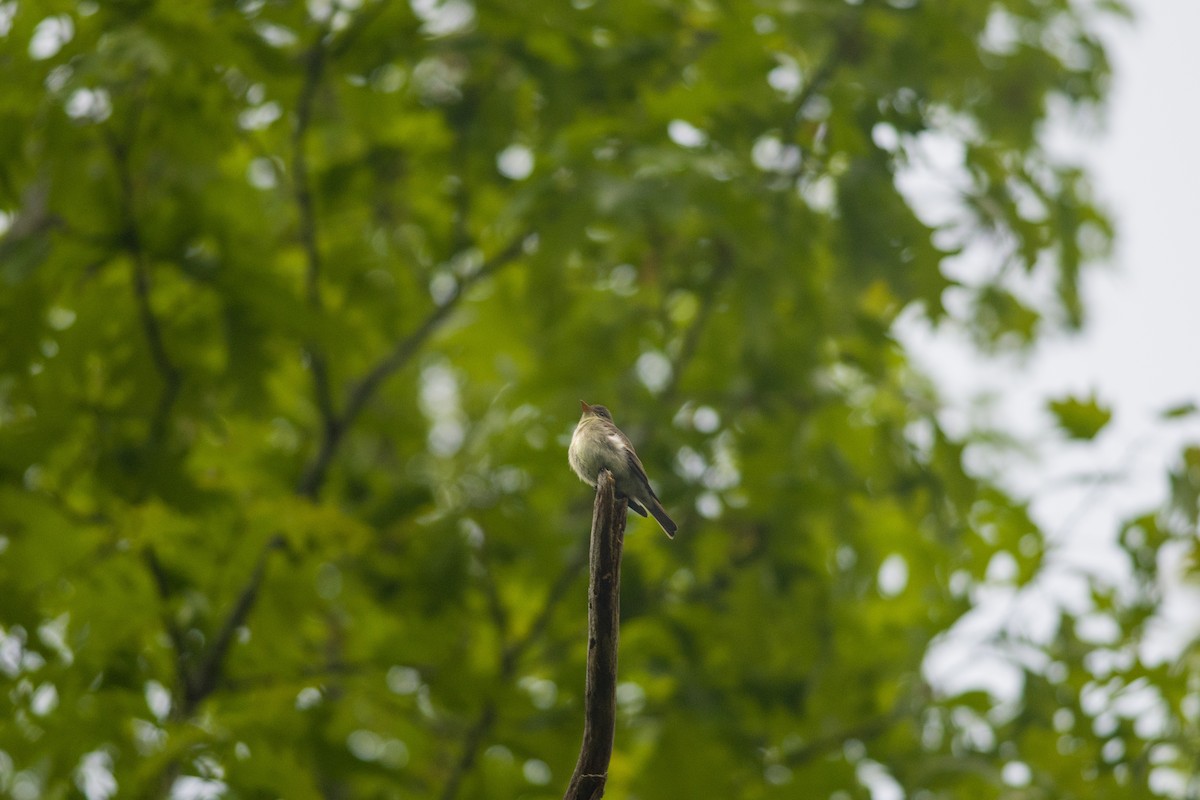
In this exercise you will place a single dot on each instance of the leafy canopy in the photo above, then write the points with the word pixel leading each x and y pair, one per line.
pixel 297 301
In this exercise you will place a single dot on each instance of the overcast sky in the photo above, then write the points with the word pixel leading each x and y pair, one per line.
pixel 1137 354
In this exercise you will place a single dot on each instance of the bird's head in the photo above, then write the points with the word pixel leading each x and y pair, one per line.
pixel 595 411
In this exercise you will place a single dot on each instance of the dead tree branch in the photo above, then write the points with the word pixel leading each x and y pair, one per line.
pixel 604 613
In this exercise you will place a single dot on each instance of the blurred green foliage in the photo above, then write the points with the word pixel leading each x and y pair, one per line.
pixel 297 301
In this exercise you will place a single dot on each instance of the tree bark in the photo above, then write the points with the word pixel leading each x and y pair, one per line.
pixel 604 614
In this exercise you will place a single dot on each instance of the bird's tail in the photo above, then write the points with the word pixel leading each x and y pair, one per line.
pixel 656 510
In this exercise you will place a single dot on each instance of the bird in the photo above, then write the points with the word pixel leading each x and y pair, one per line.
pixel 599 444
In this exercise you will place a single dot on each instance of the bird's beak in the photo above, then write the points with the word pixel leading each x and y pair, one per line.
pixel 586 408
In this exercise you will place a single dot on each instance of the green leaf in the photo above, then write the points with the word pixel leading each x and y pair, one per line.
pixel 1079 418
pixel 1180 411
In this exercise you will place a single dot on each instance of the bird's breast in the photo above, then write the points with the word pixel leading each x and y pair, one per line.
pixel 593 449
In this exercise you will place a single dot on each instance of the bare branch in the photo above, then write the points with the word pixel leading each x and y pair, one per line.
pixel 604 620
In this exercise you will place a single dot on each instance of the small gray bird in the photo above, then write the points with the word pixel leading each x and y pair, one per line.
pixel 599 444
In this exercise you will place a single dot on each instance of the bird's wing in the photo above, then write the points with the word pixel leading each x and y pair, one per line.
pixel 635 464
pixel 621 442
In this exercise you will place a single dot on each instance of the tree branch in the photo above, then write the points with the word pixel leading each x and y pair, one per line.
pixel 172 379
pixel 407 347
pixel 557 591
pixel 314 65
pixel 470 749
pixel 131 239
pixel 510 658
pixel 205 679
pixel 403 351
pixel 163 587
pixel 691 339
pixel 604 620
pixel 864 731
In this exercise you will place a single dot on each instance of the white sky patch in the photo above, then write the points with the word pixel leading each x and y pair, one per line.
pixel 706 419
pixel 878 780
pixel 885 136
pixel 709 505
pixel 821 194
pixel 94 776
pixel 786 78
pixel 771 155
pixel 260 173
pixel 1016 773
pixel 543 693
pixel 444 17
pixel 190 787
pixel 536 772
pixel 893 575
pixel 53 633
pixel 1130 354
pixel 7 12
pixel 441 403
pixel 686 134
pixel 275 35
pixel 44 700
pixel 365 745
pixel 89 104
pixel 631 697
pixel 158 700
pixel 515 162
pixel 690 464
pixel 403 680
pixel 654 370
pixel 307 698
pixel 259 117
pixel 49 37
